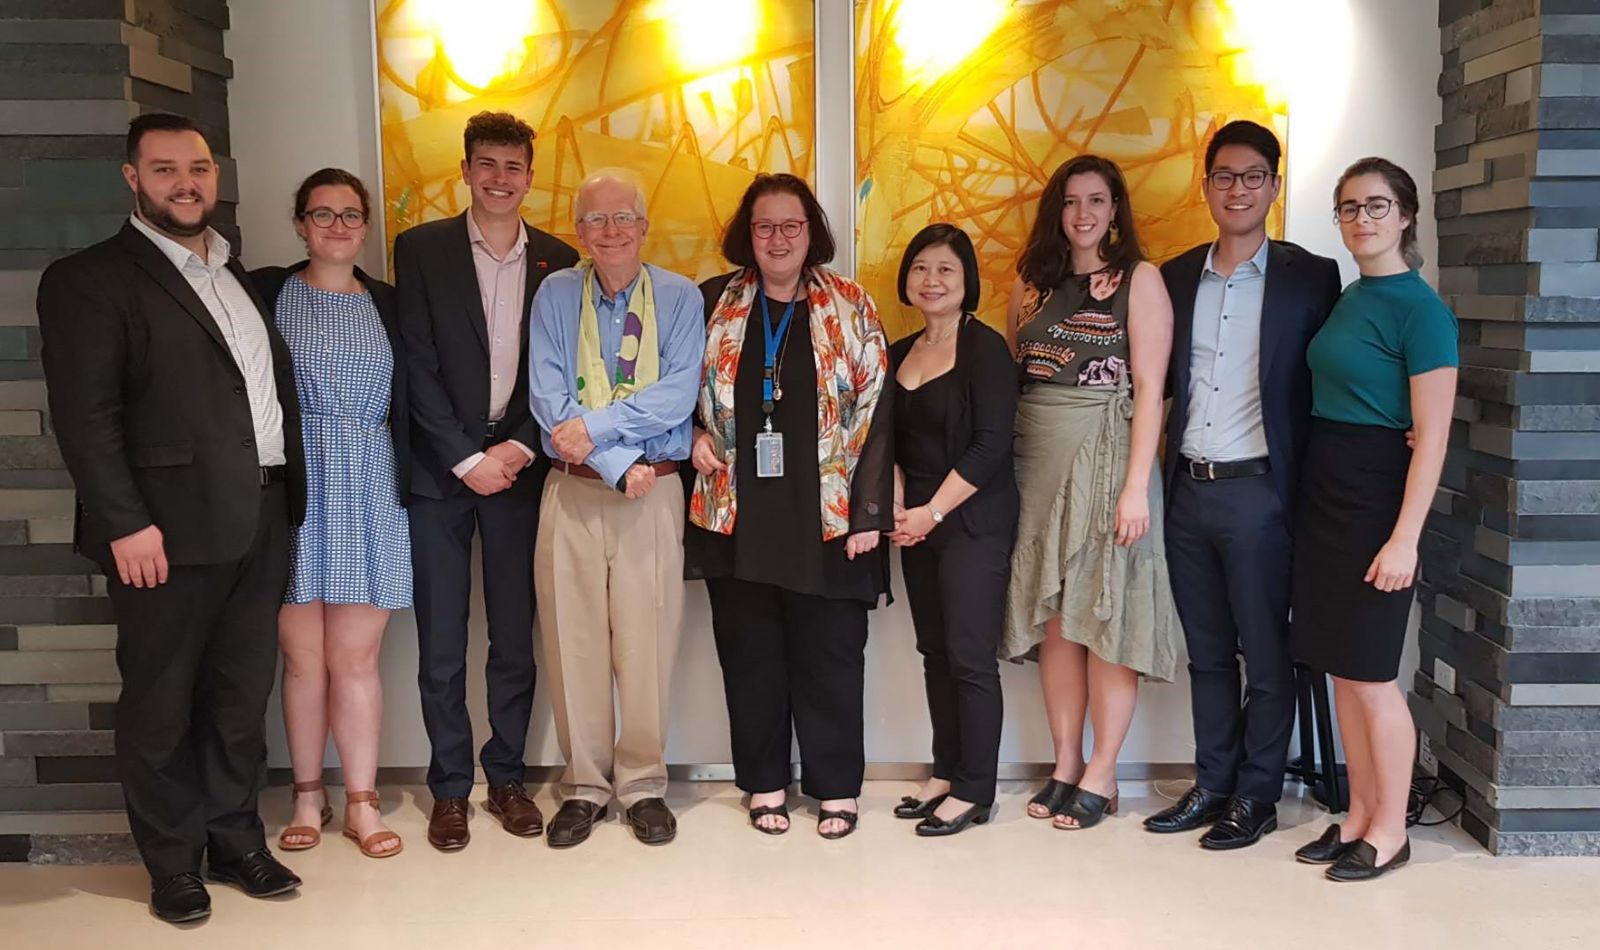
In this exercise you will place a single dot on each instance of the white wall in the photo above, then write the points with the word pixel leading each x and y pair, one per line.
pixel 302 97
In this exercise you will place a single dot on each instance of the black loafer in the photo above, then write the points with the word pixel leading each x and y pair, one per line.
pixel 573 823
pixel 1241 826
pixel 1325 850
pixel 935 827
pixel 180 899
pixel 1196 809
pixel 917 808
pixel 652 821
pixel 1360 863
pixel 258 874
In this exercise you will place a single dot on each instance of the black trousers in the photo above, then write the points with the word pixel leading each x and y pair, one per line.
pixel 1228 553
pixel 789 657
pixel 957 587
pixel 197 657
pixel 441 558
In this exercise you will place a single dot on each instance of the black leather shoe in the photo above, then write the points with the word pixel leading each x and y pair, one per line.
pixel 258 874
pixel 1241 825
pixel 180 899
pixel 934 827
pixel 573 823
pixel 1325 850
pixel 1195 809
pixel 1360 863
pixel 652 821
pixel 910 807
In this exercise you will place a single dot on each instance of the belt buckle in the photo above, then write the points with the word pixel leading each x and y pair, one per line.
pixel 489 427
pixel 1202 471
pixel 265 479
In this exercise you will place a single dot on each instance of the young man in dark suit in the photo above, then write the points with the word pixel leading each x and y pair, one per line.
pixel 1245 308
pixel 465 285
pixel 174 403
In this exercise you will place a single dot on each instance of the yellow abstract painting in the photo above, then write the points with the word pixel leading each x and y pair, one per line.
pixel 964 109
pixel 696 96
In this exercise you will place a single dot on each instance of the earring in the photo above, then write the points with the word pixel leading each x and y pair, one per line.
pixel 1115 234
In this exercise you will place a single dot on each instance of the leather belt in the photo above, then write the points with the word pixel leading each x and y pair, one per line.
pixel 271 474
pixel 584 471
pixel 1211 471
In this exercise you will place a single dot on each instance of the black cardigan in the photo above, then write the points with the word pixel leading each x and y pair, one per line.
pixel 269 283
pixel 982 410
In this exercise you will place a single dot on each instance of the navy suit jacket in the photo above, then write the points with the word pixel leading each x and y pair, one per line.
pixel 1301 290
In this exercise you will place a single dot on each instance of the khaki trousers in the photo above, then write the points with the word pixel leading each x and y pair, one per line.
pixel 608 573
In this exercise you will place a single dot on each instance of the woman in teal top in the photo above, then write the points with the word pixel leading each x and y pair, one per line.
pixel 1384 362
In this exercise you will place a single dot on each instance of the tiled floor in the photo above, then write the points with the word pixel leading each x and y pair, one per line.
pixel 1014 883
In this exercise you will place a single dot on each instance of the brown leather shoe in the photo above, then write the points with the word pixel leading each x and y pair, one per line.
pixel 517 812
pixel 652 821
pixel 447 825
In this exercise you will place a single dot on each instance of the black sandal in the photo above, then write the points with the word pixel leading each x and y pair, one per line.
pixel 782 811
pixel 848 817
pixel 1055 795
pixel 1088 809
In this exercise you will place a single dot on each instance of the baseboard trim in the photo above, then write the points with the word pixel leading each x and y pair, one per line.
pixel 723 772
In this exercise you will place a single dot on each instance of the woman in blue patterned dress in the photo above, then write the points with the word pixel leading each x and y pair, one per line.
pixel 351 559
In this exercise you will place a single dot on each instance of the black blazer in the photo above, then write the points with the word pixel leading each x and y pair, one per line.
pixel 150 409
pixel 446 342
pixel 982 412
pixel 269 283
pixel 1301 290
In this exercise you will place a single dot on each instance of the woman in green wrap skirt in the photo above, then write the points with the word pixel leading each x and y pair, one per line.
pixel 1089 596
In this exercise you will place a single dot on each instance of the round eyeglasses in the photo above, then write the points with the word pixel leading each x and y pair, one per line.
pixel 324 217
pixel 1376 208
pixel 1253 178
pixel 789 229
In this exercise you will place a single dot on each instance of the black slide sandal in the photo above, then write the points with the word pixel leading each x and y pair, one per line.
pixel 782 811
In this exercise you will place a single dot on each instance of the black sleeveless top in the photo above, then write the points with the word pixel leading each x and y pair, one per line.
pixel 1077 333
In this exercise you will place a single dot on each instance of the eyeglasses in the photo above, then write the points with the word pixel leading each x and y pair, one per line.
pixel 324 217
pixel 595 220
pixel 1376 208
pixel 1253 178
pixel 789 229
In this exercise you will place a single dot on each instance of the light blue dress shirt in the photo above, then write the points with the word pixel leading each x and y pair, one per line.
pixel 1224 423
pixel 654 424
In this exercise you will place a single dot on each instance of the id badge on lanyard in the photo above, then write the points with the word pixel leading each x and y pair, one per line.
pixel 769 444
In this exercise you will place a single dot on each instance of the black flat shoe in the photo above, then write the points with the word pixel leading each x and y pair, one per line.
pixel 1360 863
pixel 1196 809
pixel 935 827
pixel 917 808
pixel 850 818
pixel 652 821
pixel 573 823
pixel 1088 809
pixel 782 811
pixel 1054 796
pixel 1242 825
pixel 180 899
pixel 258 874
pixel 1325 850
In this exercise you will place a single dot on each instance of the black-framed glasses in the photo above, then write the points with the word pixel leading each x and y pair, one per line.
pixel 789 229
pixel 1376 208
pixel 324 217
pixel 1252 178
pixel 596 220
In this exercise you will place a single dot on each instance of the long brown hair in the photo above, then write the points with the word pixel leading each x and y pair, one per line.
pixel 1046 259
pixel 1405 193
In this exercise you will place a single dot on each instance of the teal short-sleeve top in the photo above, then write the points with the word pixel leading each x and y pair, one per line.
pixel 1382 332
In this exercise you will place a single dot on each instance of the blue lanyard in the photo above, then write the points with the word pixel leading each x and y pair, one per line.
pixel 774 339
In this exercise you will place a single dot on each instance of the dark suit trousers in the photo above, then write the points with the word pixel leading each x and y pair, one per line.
pixel 197 657
pixel 1228 555
pixel 441 557
pixel 957 587
pixel 789 657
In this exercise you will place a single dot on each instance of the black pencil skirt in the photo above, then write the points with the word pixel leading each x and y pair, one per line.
pixel 1351 487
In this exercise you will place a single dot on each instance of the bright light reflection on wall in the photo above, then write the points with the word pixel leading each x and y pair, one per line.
pixel 935 35
pixel 1305 58
pixel 708 33
pixel 483 40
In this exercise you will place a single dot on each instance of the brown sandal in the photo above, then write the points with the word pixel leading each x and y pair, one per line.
pixel 369 844
pixel 305 831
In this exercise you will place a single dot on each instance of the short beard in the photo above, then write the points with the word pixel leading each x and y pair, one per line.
pixel 157 217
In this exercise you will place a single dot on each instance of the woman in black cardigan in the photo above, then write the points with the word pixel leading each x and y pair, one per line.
pixel 955 519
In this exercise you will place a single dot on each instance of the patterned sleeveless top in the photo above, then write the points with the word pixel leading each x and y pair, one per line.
pixel 1076 334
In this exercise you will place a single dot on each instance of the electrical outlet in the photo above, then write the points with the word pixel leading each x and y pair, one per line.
pixel 1425 756
pixel 1445 675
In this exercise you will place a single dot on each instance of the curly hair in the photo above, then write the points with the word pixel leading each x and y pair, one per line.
pixel 498 128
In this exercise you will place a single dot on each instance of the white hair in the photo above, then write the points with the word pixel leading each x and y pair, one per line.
pixel 621 176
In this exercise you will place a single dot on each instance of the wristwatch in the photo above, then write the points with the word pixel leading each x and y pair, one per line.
pixel 938 516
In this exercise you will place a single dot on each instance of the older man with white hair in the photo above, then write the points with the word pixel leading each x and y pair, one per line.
pixel 615 348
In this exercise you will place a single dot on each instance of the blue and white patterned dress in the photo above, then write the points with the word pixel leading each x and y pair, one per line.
pixel 354 547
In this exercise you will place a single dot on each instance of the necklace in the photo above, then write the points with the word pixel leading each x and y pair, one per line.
pixel 928 339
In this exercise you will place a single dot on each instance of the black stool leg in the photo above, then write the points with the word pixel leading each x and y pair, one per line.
pixel 1334 795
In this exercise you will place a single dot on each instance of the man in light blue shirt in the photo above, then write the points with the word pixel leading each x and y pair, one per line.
pixel 614 356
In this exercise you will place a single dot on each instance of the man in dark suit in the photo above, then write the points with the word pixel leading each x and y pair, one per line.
pixel 1244 310
pixel 174 403
pixel 465 286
